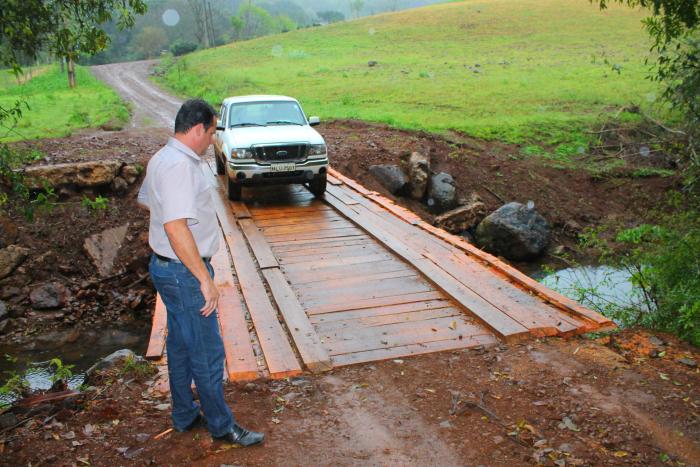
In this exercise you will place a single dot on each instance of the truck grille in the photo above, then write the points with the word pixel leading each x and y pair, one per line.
pixel 281 153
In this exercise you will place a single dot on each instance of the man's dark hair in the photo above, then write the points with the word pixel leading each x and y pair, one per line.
pixel 192 113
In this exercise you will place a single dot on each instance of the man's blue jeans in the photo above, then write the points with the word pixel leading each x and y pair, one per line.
pixel 195 349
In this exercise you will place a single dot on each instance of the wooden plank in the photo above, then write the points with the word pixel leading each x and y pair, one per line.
pixel 375 302
pixel 278 222
pixel 301 244
pixel 350 182
pixel 278 352
pixel 392 335
pixel 413 349
pixel 256 240
pixel 357 280
pixel 504 326
pixel 387 319
pixel 344 271
pixel 159 329
pixel 307 341
pixel 331 263
pixel 333 181
pixel 240 359
pixel 330 233
pixel 338 253
pixel 340 292
pixel 306 227
pixel 286 252
pixel 240 210
pixel 241 364
pixel 350 315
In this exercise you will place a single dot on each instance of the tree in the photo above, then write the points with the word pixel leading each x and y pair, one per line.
pixel 356 7
pixel 674 26
pixel 149 42
pixel 331 16
pixel 64 28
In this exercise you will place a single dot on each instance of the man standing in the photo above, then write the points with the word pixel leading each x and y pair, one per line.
pixel 184 235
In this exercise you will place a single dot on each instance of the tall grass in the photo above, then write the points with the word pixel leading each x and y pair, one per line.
pixel 514 70
pixel 56 110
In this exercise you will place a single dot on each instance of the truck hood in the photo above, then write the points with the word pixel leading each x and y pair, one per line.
pixel 247 136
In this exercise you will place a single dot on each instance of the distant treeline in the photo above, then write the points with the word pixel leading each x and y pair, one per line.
pixel 182 26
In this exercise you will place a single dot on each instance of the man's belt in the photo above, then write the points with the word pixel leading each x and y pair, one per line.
pixel 175 260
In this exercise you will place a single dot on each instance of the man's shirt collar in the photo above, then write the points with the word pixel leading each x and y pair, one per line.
pixel 183 148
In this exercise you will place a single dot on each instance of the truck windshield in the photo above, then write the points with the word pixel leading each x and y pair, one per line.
pixel 266 113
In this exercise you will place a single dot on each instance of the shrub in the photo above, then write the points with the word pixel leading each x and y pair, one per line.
pixel 182 47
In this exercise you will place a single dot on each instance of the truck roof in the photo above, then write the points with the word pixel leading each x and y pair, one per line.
pixel 257 98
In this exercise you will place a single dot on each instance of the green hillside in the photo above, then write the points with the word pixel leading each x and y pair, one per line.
pixel 515 70
pixel 54 110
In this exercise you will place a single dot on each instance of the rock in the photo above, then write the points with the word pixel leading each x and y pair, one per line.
pixel 162 407
pixel 119 185
pixel 9 291
pixel 442 192
pixel 11 257
pixel 372 63
pixel 685 361
pixel 653 340
pixel 142 437
pixel 566 447
pixel 8 420
pixel 290 396
pixel 498 439
pixel 8 232
pixel 445 424
pixel 418 170
pixel 82 174
pixel 48 296
pixel 251 387
pixel 514 231
pixel 462 218
pixel 391 177
pixel 104 247
pixel 130 173
pixel 3 311
pixel 113 360
pixel 6 326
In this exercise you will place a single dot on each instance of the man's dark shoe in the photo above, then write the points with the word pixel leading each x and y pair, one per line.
pixel 241 436
pixel 199 421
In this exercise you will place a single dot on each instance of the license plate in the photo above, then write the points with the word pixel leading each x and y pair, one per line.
pixel 286 167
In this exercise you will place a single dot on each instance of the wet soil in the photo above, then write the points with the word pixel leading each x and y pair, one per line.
pixel 551 402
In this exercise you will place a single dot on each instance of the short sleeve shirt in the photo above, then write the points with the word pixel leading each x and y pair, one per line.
pixel 175 188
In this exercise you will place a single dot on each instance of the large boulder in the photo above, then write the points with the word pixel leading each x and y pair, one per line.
pixel 418 169
pixel 462 218
pixel 48 296
pixel 10 258
pixel 82 174
pixel 391 177
pixel 442 193
pixel 104 246
pixel 515 231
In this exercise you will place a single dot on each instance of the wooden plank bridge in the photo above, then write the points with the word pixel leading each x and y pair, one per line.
pixel 315 284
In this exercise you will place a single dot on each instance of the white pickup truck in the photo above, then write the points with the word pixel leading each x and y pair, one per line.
pixel 268 140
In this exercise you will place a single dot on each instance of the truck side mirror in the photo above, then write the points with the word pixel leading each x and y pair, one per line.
pixel 313 121
pixel 220 128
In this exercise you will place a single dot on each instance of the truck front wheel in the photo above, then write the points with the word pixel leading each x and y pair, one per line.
pixel 318 185
pixel 234 190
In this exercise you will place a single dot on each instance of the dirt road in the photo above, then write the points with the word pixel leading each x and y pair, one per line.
pixel 151 106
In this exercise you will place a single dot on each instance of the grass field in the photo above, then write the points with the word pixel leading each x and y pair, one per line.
pixel 514 70
pixel 54 109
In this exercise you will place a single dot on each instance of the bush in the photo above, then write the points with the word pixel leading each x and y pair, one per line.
pixel 665 263
pixel 182 47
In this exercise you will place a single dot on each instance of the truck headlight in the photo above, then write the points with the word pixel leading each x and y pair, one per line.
pixel 317 150
pixel 242 153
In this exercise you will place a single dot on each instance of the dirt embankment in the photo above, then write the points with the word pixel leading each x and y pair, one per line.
pixel 550 402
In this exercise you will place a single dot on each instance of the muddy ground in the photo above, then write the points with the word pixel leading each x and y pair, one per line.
pixel 549 402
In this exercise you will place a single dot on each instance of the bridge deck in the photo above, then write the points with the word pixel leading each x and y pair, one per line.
pixel 314 284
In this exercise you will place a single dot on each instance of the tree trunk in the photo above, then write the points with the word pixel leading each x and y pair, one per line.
pixel 71 73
